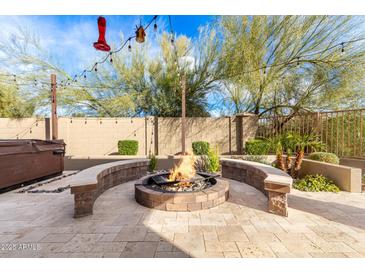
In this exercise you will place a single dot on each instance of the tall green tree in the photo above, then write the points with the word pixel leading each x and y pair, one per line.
pixel 153 81
pixel 12 103
pixel 301 68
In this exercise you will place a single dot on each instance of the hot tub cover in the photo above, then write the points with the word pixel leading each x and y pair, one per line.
pixel 25 146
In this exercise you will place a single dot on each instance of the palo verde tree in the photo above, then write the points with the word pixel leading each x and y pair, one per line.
pixel 151 80
pixel 12 102
pixel 145 81
pixel 289 64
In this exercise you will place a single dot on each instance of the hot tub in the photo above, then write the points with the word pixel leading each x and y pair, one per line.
pixel 27 160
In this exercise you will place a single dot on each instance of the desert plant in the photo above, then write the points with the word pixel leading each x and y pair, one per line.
pixel 293 142
pixel 213 157
pixel 304 142
pixel 257 147
pixel 280 163
pixel 128 147
pixel 202 163
pixel 153 162
pixel 315 183
pixel 200 147
pixel 325 157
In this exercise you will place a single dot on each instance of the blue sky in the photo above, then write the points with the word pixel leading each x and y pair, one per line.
pixel 69 39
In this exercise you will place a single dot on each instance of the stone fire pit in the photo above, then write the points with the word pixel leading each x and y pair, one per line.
pixel 202 192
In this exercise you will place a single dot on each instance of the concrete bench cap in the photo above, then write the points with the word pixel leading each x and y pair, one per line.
pixel 90 175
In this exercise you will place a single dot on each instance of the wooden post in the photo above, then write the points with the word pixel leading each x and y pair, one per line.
pixel 183 114
pixel 155 134
pixel 54 108
pixel 230 135
pixel 145 136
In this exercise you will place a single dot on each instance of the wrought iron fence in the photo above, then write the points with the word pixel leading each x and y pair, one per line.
pixel 342 131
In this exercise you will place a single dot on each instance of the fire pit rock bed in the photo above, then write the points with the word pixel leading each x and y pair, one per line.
pixel 213 195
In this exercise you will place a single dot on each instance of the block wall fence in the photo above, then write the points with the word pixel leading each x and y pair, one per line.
pixel 161 136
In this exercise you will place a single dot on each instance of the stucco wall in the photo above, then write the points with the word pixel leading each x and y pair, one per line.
pixel 352 162
pixel 162 136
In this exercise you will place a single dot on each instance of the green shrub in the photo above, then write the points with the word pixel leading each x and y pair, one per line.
pixel 213 160
pixel 200 148
pixel 153 162
pixel 257 147
pixel 208 163
pixel 325 157
pixel 315 183
pixel 128 147
pixel 257 158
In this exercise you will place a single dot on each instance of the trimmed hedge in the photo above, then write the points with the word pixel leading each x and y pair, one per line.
pixel 128 147
pixel 315 183
pixel 200 147
pixel 325 157
pixel 257 147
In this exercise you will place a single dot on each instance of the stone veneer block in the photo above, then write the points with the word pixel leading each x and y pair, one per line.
pixel 177 207
pixel 278 203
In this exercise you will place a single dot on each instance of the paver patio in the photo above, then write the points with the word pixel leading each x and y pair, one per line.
pixel 319 225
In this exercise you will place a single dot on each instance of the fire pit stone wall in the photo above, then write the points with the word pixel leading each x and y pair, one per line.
pixel 182 201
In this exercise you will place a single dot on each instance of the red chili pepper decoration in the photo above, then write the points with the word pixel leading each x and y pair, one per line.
pixel 101 44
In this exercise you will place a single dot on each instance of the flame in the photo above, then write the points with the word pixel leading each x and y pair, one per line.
pixel 184 170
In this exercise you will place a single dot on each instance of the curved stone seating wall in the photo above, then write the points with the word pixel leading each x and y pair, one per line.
pixel 274 183
pixel 88 184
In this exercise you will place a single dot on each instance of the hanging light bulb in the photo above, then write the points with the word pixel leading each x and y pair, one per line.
pixel 84 76
pixel 14 78
pixel 129 46
pixel 343 47
pixel 172 39
pixel 155 25
pixel 75 78
pixel 140 34
pixel 96 68
pixel 111 59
